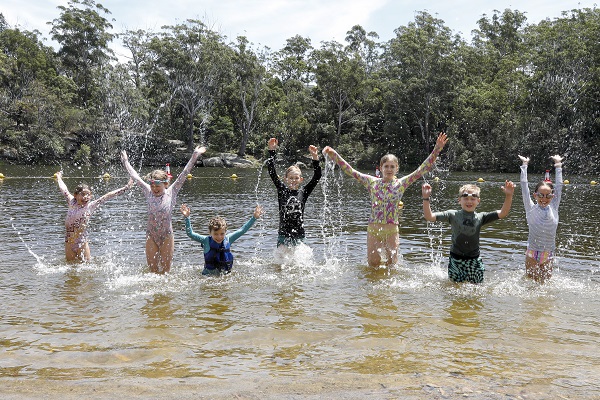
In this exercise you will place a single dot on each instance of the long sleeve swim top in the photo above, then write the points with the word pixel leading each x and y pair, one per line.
pixel 385 196
pixel 542 221
pixel 160 208
pixel 292 202
pixel 78 216
pixel 232 237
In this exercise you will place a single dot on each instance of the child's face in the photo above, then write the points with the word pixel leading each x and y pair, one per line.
pixel 469 200
pixel 543 196
pixel 158 187
pixel 293 179
pixel 388 170
pixel 83 197
pixel 218 235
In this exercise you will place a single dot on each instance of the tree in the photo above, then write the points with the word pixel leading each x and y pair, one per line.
pixel 422 71
pixel 83 34
pixel 565 87
pixel 250 76
pixel 193 61
pixel 289 98
pixel 488 108
pixel 340 76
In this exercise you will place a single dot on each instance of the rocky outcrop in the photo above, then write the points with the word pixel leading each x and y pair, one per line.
pixel 228 160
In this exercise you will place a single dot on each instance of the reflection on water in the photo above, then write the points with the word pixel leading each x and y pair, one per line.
pixel 322 312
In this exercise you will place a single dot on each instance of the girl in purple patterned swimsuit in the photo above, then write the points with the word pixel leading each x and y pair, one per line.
pixel 161 198
pixel 80 210
pixel 385 194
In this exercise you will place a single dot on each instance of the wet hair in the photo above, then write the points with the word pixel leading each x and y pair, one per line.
pixel 216 224
pixel 388 157
pixel 544 183
pixel 157 174
pixel 293 168
pixel 81 188
pixel 469 188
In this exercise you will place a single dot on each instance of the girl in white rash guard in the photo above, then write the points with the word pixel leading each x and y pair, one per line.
pixel 542 219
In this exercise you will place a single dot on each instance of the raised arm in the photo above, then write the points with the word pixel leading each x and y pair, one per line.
pixel 558 178
pixel 509 190
pixel 258 211
pixel 272 146
pixel 427 165
pixel 185 210
pixel 132 172
pixel 346 168
pixel 426 193
pixel 178 184
pixel 63 188
pixel 314 152
pixel 527 202
pixel 114 193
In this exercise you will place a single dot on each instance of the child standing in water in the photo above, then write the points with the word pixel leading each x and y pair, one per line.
pixel 292 196
pixel 161 198
pixel 386 193
pixel 465 263
pixel 542 219
pixel 218 258
pixel 80 210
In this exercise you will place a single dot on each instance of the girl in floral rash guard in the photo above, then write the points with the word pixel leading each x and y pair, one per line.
pixel 161 198
pixel 385 194
pixel 81 207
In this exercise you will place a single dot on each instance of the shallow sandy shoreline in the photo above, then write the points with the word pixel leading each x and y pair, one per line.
pixel 330 386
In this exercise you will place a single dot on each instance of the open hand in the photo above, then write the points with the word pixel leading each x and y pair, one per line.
pixel 314 152
pixel 441 141
pixel 185 210
pixel 200 150
pixel 508 188
pixel 556 158
pixel 426 190
pixel 328 151
pixel 258 211
pixel 525 160
pixel 273 143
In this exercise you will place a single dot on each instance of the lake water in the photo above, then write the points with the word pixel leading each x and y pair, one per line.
pixel 325 326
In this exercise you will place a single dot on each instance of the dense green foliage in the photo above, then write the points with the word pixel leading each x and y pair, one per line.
pixel 532 89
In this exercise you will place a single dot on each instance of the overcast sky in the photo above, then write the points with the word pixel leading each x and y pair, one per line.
pixel 271 22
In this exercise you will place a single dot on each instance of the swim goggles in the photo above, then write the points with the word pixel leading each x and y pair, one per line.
pixel 544 196
pixel 156 181
pixel 474 195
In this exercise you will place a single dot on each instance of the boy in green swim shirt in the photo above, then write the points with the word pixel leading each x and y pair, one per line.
pixel 465 264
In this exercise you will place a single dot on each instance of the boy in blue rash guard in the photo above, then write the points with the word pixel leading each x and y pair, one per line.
pixel 218 258
pixel 465 264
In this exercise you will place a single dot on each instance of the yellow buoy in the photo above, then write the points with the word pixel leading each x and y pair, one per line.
pixel 480 180
pixel 1 175
pixel 234 176
pixel 593 183
pixel 400 204
pixel 437 178
pixel 106 175
pixel 566 182
pixel 55 175
pixel 190 176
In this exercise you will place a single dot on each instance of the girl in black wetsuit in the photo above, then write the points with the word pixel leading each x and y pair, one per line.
pixel 292 196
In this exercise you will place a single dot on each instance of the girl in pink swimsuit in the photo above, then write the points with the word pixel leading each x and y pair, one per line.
pixel 385 194
pixel 161 198
pixel 78 217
